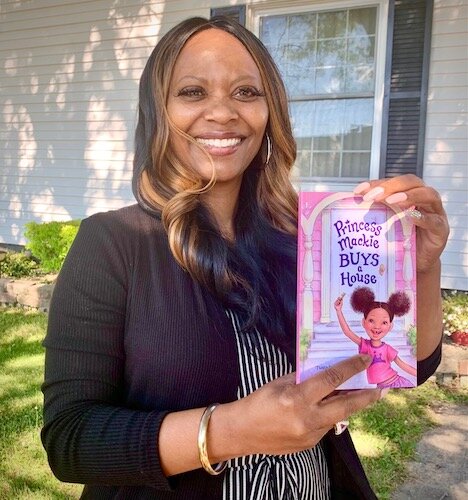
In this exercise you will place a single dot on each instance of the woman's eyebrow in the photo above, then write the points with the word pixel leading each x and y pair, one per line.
pixel 201 79
pixel 191 77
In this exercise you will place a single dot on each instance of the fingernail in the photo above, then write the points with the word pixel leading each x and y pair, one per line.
pixel 361 187
pixel 373 193
pixel 396 198
pixel 384 392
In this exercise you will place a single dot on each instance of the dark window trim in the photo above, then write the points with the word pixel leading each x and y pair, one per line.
pixel 421 94
pixel 236 12
pixel 386 97
pixel 425 86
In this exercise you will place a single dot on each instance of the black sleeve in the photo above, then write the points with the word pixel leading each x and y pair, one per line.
pixel 89 435
pixel 426 367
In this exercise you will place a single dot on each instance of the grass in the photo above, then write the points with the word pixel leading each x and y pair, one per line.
pixel 24 472
pixel 385 435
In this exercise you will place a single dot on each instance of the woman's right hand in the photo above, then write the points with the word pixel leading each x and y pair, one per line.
pixel 279 418
pixel 284 417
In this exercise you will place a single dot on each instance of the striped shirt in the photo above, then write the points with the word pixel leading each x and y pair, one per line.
pixel 296 476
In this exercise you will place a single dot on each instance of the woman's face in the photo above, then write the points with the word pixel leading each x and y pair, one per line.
pixel 377 324
pixel 216 96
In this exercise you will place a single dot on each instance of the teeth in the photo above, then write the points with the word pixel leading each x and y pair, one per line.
pixel 219 143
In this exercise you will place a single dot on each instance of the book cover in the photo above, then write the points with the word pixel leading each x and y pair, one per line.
pixel 356 289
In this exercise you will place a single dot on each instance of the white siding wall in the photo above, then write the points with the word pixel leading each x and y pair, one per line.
pixel 69 81
pixel 69 76
pixel 446 148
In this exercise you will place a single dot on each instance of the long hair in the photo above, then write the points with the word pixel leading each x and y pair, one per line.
pixel 164 186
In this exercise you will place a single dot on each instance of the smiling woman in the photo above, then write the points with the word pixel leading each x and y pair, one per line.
pixel 221 85
pixel 171 336
pixel 223 109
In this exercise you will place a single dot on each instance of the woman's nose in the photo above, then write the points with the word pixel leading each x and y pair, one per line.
pixel 221 110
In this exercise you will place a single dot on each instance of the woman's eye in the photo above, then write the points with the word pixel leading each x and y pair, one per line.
pixel 191 92
pixel 247 93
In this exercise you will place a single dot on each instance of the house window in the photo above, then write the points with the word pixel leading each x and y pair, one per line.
pixel 328 60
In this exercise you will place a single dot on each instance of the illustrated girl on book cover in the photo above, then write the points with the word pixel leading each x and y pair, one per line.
pixel 377 322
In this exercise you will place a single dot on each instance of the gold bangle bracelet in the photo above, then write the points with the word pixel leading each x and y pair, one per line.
pixel 202 446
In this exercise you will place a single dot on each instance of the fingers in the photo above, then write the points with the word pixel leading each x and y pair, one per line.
pixel 437 223
pixel 405 191
pixel 321 385
pixel 423 197
pixel 421 204
pixel 378 190
pixel 301 415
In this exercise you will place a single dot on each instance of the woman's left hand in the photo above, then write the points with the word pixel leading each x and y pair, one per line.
pixel 422 204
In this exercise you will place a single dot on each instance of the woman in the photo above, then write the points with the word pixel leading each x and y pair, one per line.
pixel 171 331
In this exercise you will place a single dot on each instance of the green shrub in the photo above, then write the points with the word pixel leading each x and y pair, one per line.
pixel 18 265
pixel 304 343
pixel 50 242
pixel 412 337
pixel 455 308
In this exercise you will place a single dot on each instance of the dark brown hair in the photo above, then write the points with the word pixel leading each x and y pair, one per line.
pixel 162 184
pixel 363 300
pixel 166 187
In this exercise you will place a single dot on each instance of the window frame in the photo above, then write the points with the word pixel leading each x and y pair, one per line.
pixel 255 12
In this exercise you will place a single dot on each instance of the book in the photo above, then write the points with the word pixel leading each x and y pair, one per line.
pixel 356 289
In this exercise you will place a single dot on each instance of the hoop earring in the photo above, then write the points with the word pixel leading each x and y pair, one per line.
pixel 269 150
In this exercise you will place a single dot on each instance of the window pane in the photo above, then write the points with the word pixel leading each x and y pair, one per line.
pixel 331 52
pixel 273 30
pixel 302 120
pixel 326 165
pixel 323 53
pixel 329 80
pixel 360 79
pixel 331 24
pixel 355 165
pixel 360 50
pixel 358 117
pixel 302 114
pixel 328 119
pixel 303 163
pixel 328 143
pixel 302 27
pixel 299 74
pixel 333 137
pixel 362 22
pixel 291 42
pixel 327 53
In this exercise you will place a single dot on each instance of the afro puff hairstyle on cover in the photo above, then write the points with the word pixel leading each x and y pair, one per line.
pixel 363 301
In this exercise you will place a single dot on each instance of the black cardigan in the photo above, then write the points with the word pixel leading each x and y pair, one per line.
pixel 130 338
